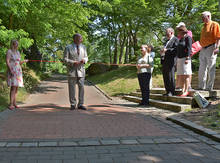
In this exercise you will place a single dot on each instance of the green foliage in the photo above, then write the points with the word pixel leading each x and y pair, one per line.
pixel 144 22
pixel 30 79
pixel 6 36
pixel 110 27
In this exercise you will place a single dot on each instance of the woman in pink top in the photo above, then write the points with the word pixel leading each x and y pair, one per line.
pixel 189 33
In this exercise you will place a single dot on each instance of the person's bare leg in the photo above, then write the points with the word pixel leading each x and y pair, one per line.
pixel 14 102
pixel 12 97
pixel 186 84
pixel 178 81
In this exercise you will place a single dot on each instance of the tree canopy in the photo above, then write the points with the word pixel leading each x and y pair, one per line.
pixel 113 30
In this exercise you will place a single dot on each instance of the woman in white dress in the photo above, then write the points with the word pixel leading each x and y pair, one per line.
pixel 15 79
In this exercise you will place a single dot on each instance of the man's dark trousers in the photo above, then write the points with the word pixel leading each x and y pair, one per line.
pixel 169 78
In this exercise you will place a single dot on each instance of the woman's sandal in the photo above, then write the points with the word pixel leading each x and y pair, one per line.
pixel 10 107
pixel 16 106
pixel 184 95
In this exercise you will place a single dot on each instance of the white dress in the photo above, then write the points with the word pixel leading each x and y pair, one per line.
pixel 16 78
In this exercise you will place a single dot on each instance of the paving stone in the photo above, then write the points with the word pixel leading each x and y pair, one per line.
pixel 48 144
pixel 76 161
pixel 49 161
pixel 149 158
pixel 125 159
pixel 120 150
pixel 67 143
pixel 5 161
pixel 87 156
pixel 110 142
pixel 87 143
pixel 190 140
pixel 161 140
pixel 129 141
pixel 97 151
pixel 211 142
pixel 13 144
pixel 210 132
pixel 23 161
pixel 101 161
pixel 176 140
pixel 217 146
pixel 3 144
pixel 33 144
pixel 38 157
pixel 217 136
pixel 140 161
pixel 146 141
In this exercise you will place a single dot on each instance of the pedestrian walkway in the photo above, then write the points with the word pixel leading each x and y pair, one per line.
pixel 45 130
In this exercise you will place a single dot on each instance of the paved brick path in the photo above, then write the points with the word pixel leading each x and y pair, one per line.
pixel 45 130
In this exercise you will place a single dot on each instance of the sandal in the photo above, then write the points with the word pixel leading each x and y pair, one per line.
pixel 184 94
pixel 10 107
pixel 16 106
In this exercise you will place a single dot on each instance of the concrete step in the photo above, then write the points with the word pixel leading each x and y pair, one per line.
pixel 155 90
pixel 214 93
pixel 161 104
pixel 176 99
pixel 195 85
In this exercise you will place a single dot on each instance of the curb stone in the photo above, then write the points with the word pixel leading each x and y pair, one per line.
pixel 98 142
pixel 196 128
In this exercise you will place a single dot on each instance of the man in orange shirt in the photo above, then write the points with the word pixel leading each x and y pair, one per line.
pixel 210 42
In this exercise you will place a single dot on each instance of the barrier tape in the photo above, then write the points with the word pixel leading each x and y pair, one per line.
pixel 87 62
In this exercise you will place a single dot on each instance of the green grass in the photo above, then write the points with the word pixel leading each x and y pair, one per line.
pixel 4 97
pixel 121 81
pixel 31 79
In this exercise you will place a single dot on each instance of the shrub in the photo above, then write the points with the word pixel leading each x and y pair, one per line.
pixel 30 79
pixel 97 68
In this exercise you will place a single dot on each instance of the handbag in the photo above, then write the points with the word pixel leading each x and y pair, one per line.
pixel 196 47
pixel 201 101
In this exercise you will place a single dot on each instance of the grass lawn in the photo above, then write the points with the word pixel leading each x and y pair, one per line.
pixel 121 81
pixel 4 97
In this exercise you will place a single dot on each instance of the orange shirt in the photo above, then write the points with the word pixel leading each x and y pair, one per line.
pixel 210 33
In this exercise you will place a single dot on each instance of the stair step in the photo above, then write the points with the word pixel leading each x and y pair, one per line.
pixel 161 104
pixel 155 90
pixel 176 99
pixel 214 93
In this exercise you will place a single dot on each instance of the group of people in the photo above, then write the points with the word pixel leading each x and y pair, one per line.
pixel 75 56
pixel 176 57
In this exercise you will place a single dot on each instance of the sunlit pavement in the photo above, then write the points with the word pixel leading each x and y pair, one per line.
pixel 45 130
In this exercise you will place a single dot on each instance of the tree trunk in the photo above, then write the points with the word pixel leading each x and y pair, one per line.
pixel 115 59
pixel 135 46
pixel 126 51
pixel 10 21
pixel 122 44
pixel 129 50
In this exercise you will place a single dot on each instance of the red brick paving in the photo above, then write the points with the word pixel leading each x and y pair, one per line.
pixel 46 115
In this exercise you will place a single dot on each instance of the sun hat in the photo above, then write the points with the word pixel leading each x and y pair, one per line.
pixel 180 24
